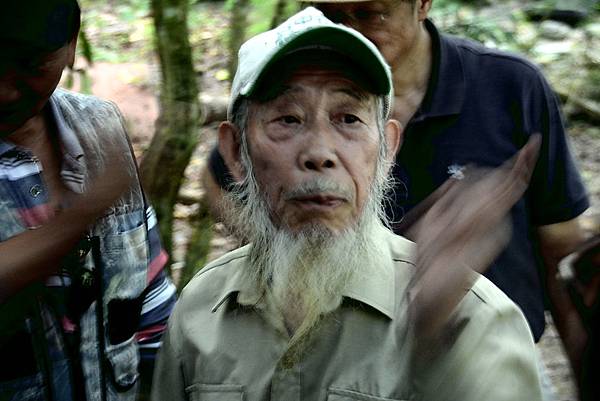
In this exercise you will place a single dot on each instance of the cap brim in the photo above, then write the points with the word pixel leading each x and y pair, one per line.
pixel 344 42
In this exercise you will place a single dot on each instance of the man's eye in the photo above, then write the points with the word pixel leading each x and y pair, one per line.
pixel 350 119
pixel 289 120
pixel 365 15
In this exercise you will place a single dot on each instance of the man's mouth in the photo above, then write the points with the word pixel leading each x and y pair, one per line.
pixel 318 202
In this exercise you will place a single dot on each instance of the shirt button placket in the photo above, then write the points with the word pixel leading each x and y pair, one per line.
pixel 286 384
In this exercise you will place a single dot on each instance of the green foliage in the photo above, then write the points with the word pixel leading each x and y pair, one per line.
pixel 463 18
pixel 119 30
pixel 85 46
pixel 262 13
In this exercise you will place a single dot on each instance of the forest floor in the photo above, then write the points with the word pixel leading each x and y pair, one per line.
pixel 132 83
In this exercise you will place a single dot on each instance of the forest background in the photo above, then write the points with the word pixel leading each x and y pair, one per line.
pixel 167 64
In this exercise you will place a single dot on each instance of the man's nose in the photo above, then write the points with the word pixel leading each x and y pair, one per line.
pixel 318 154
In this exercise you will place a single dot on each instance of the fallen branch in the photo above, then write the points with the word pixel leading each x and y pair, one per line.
pixel 589 109
pixel 214 109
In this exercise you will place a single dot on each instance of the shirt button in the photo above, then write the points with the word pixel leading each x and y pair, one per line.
pixel 35 190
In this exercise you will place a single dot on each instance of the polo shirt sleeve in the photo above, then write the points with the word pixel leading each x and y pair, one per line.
pixel 557 192
pixel 492 357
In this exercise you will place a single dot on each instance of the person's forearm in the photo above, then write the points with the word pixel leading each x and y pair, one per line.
pixel 35 254
pixel 567 321
pixel 557 241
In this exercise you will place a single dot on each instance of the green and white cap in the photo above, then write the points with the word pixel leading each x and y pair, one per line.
pixel 308 30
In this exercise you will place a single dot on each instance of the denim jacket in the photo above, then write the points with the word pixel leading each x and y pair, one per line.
pixel 119 263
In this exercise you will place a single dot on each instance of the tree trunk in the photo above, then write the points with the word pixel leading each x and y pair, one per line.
pixel 279 13
pixel 198 245
pixel 237 32
pixel 177 128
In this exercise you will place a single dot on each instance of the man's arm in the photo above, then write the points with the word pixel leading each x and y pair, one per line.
pixel 557 241
pixel 461 229
pixel 35 254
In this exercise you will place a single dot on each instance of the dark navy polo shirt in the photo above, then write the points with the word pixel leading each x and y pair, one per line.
pixel 480 108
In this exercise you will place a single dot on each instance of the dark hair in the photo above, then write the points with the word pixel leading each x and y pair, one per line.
pixel 44 24
pixel 76 21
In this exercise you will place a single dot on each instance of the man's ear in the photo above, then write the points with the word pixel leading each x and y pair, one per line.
pixel 72 51
pixel 423 8
pixel 393 138
pixel 229 147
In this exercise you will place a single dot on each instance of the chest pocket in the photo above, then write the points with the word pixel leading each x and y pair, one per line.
pixel 215 392
pixel 124 254
pixel 337 394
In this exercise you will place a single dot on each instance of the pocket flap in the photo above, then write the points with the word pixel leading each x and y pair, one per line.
pixel 123 360
pixel 338 394
pixel 215 392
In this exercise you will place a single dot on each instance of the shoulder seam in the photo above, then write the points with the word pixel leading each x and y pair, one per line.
pixel 501 55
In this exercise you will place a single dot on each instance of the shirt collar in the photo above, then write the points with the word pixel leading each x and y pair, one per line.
pixel 375 288
pixel 446 88
pixel 237 284
pixel 74 168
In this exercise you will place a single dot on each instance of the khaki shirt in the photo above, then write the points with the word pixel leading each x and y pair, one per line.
pixel 220 346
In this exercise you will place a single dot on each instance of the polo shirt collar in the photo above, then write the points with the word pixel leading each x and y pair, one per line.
pixel 446 88
pixel 375 288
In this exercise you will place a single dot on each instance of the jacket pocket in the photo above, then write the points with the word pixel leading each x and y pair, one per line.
pixel 338 394
pixel 123 360
pixel 215 392
pixel 125 262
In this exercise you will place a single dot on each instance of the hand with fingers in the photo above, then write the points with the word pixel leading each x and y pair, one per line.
pixel 459 230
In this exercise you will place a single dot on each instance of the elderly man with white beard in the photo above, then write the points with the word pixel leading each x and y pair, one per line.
pixel 325 303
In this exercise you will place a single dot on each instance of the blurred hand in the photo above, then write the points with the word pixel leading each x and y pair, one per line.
pixel 34 254
pixel 460 229
pixel 103 190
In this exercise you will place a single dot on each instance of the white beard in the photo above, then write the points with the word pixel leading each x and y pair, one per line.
pixel 304 275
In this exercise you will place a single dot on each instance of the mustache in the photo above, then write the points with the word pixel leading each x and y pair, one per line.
pixel 320 186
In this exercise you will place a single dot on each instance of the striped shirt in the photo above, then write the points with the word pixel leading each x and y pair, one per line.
pixel 24 203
